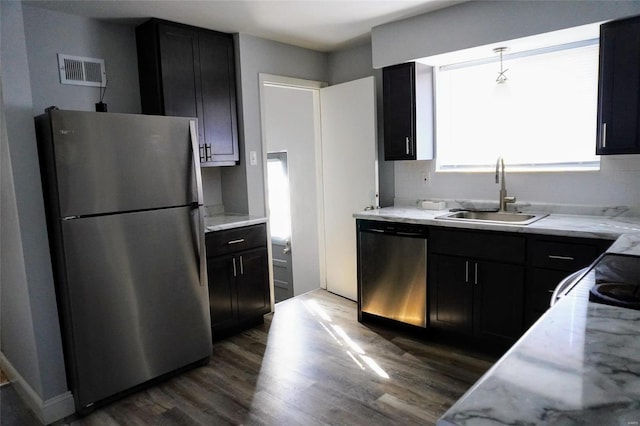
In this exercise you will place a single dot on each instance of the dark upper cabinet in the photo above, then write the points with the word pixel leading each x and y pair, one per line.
pixel 619 88
pixel 408 112
pixel 190 72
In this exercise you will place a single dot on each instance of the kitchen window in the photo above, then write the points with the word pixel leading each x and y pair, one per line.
pixel 543 118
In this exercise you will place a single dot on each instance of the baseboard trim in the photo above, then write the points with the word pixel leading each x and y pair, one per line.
pixel 49 411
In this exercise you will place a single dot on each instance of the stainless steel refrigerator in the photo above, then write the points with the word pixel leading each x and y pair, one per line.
pixel 124 208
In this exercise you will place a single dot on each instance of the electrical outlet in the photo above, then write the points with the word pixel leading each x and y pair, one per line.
pixel 425 178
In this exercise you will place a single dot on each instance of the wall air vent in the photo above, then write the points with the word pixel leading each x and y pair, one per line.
pixel 82 71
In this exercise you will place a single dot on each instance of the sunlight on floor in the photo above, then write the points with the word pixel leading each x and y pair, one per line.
pixel 317 311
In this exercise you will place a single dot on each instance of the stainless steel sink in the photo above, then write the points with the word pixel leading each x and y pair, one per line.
pixel 509 218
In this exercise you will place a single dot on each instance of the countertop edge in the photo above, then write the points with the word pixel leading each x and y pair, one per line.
pixel 224 222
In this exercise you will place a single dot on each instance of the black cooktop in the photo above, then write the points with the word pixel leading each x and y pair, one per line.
pixel 617 281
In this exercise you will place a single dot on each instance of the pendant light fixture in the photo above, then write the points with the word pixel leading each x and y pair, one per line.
pixel 502 78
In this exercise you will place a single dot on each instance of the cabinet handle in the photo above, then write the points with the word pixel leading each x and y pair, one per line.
pixel 235 274
pixel 241 266
pixel 202 154
pixel 238 241
pixel 604 135
pixel 553 256
pixel 466 271
pixel 407 143
pixel 475 273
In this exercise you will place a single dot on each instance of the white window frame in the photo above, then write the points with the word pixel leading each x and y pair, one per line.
pixel 569 166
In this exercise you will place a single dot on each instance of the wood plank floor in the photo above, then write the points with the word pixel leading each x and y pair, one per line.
pixel 311 363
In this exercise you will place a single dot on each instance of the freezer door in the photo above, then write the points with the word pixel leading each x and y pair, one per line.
pixel 108 162
pixel 134 305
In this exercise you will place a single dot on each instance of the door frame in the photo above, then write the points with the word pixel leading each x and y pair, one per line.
pixel 313 86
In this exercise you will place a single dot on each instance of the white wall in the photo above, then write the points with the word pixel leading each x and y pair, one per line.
pixel 257 55
pixel 352 64
pixel 482 22
pixel 29 328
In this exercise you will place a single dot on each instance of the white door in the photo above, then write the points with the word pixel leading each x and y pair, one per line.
pixel 350 183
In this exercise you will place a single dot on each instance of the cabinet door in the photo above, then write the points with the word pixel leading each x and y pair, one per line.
pixel 451 294
pixel 217 72
pixel 619 88
pixel 498 306
pixel 252 283
pixel 399 101
pixel 540 285
pixel 222 292
pixel 180 68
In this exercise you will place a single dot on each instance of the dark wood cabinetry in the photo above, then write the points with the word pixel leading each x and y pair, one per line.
pixel 476 284
pixel 408 112
pixel 619 88
pixel 190 72
pixel 550 259
pixel 237 266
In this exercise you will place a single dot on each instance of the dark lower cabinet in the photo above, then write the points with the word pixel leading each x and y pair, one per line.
pixel 479 298
pixel 237 266
pixel 450 294
pixel 550 259
pixel 498 302
pixel 476 284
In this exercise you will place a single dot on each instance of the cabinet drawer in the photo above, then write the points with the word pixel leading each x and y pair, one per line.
pixel 562 256
pixel 490 246
pixel 233 240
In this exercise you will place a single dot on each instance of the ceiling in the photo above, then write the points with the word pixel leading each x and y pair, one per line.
pixel 324 26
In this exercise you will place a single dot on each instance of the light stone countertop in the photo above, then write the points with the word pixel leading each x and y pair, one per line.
pixel 579 364
pixel 221 222
pixel 604 227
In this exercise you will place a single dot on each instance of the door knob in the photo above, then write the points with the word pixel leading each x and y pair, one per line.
pixel 287 247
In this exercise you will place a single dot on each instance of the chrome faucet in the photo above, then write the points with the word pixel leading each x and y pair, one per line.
pixel 503 186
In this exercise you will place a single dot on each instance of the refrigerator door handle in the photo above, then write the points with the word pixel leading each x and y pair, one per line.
pixel 193 130
pixel 199 237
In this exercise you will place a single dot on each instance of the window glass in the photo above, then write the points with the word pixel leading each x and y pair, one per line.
pixel 542 118
pixel 278 188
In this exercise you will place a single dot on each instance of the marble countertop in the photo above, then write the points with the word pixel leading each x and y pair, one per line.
pixel 605 227
pixel 579 364
pixel 229 221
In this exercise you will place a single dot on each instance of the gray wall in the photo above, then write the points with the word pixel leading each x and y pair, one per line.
pixel 477 23
pixel 30 334
pixel 483 22
pixel 351 64
pixel 49 33
pixel 257 55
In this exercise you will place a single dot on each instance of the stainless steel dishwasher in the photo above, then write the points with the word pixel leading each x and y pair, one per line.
pixel 392 271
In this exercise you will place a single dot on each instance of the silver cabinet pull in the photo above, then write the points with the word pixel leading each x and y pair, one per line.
pixel 241 266
pixel 407 142
pixel 475 270
pixel 235 274
pixel 238 241
pixel 604 135
pixel 553 256
pixel 466 271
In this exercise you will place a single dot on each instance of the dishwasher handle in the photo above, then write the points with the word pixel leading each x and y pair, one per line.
pixel 401 230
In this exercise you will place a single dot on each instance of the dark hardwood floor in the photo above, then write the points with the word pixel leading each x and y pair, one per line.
pixel 311 363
